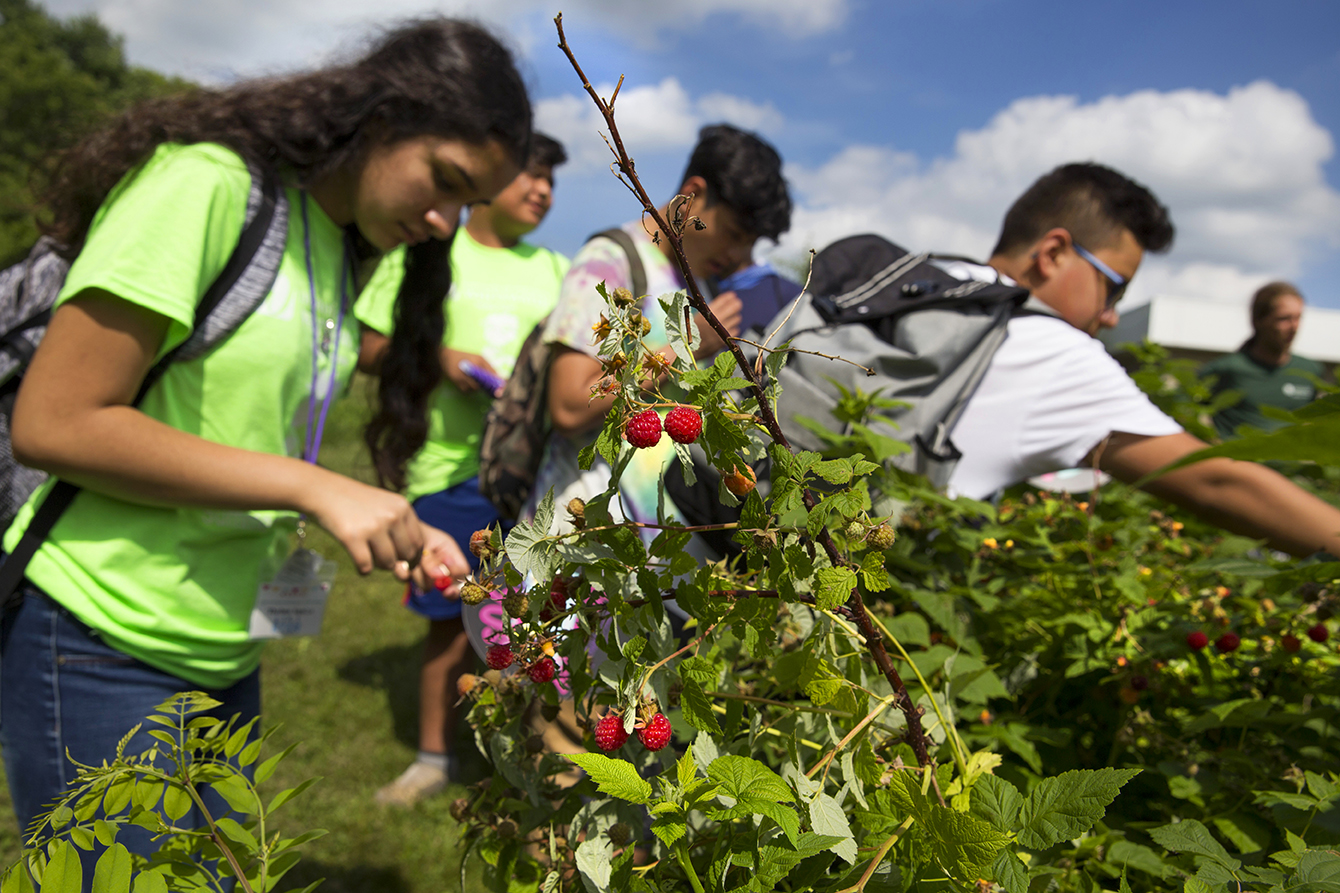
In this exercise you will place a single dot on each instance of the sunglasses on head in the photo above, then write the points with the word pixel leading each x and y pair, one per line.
pixel 1116 283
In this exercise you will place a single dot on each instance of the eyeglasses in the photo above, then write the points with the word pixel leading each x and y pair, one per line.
pixel 1116 283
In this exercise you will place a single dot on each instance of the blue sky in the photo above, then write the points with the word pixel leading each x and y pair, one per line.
pixel 918 119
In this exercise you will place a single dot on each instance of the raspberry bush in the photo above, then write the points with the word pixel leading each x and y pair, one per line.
pixel 1015 697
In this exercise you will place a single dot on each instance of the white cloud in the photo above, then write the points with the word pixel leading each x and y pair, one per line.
pixel 219 41
pixel 653 118
pixel 1242 174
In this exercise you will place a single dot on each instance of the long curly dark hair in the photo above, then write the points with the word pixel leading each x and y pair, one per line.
pixel 435 76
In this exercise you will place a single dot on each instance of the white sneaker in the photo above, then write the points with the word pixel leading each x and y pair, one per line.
pixel 419 782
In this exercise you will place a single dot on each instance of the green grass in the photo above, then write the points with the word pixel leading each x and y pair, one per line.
pixel 349 697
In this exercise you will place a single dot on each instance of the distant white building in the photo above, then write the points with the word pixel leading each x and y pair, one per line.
pixel 1200 329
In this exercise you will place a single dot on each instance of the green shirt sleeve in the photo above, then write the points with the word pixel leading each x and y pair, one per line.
pixel 375 307
pixel 165 233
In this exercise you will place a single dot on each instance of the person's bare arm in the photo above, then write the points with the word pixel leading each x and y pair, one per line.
pixel 574 373
pixel 1244 497
pixel 72 418
pixel 372 347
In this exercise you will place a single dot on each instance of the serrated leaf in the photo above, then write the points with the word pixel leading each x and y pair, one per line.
pixel 700 670
pixel 997 801
pixel 617 778
pixel 1012 874
pixel 874 576
pixel 669 828
pixel 697 708
pixel 528 545
pixel 963 845
pixel 1065 806
pixel 827 817
pixel 112 872
pixel 835 586
pixel 744 777
pixel 1190 836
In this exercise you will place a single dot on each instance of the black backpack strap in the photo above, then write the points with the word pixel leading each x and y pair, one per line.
pixel 637 273
pixel 62 493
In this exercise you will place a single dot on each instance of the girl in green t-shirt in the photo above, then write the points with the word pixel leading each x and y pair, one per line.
pixel 146 585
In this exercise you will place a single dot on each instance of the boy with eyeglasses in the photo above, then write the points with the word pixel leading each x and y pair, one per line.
pixel 1053 398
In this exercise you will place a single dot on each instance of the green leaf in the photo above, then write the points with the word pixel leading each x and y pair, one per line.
pixel 1245 831
pixel 239 795
pixel 827 817
pixel 1067 805
pixel 593 861
pixel 17 879
pixel 63 874
pixel 1190 836
pixel 963 845
pixel 149 881
pixel 112 873
pixel 741 777
pixel 1011 873
pixel 176 801
pixel 835 586
pixel 284 796
pixel 670 828
pixel 700 670
pixel 1309 441
pixel 697 708
pixel 617 778
pixel 231 829
pixel 105 831
pixel 686 770
pixel 529 546
pixel 835 471
pixel 266 769
pixel 997 801
pixel 118 795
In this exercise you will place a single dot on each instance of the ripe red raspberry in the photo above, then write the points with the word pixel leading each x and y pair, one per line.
pixel 499 657
pixel 1290 643
pixel 441 583
pixel 1197 640
pixel 683 424
pixel 609 732
pixel 1318 633
pixel 656 733
pixel 644 429
pixel 541 671
pixel 1226 643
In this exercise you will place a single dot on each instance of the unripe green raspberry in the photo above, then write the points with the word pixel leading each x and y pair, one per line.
pixel 473 593
pixel 622 297
pixel 881 537
pixel 619 833
pixel 517 605
pixel 855 531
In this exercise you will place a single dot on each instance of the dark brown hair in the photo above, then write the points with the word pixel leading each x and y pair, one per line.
pixel 1094 203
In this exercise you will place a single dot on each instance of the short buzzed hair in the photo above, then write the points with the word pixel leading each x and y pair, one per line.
pixel 545 151
pixel 1094 203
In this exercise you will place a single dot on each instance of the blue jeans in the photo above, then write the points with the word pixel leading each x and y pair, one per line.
pixel 62 687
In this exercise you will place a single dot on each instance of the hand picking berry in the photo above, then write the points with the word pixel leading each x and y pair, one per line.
pixel 683 424
pixel 609 732
pixel 499 657
pixel 656 733
pixel 441 583
pixel 644 429
pixel 1227 643
pixel 1197 640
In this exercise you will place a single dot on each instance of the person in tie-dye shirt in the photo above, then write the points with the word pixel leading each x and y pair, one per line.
pixel 740 196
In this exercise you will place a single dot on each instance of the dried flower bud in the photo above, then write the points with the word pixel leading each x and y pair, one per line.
pixel 577 509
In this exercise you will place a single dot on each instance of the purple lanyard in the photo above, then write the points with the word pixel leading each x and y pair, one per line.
pixel 314 432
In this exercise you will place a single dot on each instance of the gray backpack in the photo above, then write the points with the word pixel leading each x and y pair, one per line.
pixel 29 289
pixel 927 335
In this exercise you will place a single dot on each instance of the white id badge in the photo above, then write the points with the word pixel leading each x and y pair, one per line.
pixel 294 601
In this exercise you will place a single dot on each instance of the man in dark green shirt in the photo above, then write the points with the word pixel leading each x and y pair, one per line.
pixel 1265 370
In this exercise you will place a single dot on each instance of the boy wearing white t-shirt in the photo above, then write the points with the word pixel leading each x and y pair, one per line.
pixel 1053 398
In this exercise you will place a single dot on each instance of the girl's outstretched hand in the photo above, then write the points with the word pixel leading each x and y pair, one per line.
pixel 376 527
pixel 442 558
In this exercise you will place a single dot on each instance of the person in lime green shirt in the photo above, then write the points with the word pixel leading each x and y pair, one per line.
pixel 501 288
pixel 146 585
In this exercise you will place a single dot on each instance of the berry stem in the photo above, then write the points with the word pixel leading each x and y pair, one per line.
pixel 916 735
pixel 682 854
